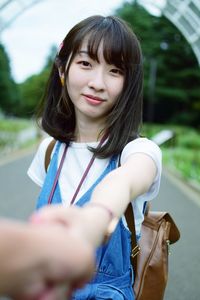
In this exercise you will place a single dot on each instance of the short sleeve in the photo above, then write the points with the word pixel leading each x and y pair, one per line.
pixel 36 171
pixel 148 147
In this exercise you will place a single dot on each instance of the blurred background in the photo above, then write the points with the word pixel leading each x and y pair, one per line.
pixel 30 34
pixel 169 32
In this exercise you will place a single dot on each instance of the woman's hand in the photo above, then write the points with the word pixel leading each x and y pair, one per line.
pixel 90 222
pixel 84 229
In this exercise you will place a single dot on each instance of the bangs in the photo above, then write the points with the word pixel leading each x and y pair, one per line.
pixel 120 46
pixel 113 48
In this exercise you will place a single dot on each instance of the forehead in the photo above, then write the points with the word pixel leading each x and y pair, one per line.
pixel 86 49
pixel 99 49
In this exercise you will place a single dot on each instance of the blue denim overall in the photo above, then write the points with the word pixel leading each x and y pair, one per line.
pixel 114 277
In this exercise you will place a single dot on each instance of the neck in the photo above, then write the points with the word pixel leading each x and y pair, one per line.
pixel 88 132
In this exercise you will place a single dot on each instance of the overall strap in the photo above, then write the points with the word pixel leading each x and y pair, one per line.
pixel 49 179
pixel 47 161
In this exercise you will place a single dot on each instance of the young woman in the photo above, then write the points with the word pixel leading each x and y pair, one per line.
pixel 93 109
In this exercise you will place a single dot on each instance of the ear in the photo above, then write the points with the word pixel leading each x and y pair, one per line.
pixel 62 77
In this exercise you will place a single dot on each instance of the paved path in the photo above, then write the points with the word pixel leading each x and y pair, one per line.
pixel 18 193
pixel 18 196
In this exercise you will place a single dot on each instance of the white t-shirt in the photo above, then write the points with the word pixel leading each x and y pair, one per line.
pixel 76 161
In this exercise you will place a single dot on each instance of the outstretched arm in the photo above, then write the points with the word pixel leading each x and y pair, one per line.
pixel 112 194
pixel 125 183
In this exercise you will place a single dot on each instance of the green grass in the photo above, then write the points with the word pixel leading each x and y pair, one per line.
pixel 9 128
pixel 182 155
pixel 14 125
pixel 184 161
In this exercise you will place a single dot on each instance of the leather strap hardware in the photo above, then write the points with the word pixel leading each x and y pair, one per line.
pixel 135 251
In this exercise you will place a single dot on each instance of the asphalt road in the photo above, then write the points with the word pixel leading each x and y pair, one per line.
pixel 18 195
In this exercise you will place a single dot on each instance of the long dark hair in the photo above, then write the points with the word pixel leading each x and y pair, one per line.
pixel 120 48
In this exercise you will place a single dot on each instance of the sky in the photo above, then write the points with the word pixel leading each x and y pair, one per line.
pixel 29 38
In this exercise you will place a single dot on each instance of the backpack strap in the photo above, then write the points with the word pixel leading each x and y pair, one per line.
pixel 49 150
pixel 130 219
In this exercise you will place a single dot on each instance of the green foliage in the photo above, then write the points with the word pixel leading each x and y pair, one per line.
pixel 184 161
pixel 9 130
pixel 9 96
pixel 185 136
pixel 14 125
pixel 183 154
pixel 170 61
pixel 32 89
pixel 189 141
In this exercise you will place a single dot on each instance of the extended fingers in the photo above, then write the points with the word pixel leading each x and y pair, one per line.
pixel 55 214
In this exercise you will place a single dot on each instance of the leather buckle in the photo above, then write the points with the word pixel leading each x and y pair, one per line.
pixel 135 251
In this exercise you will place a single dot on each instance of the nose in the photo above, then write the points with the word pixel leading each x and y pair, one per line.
pixel 97 80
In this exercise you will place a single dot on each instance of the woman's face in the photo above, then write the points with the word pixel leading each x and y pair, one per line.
pixel 93 87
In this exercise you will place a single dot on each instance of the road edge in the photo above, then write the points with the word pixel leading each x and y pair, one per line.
pixel 17 154
pixel 192 192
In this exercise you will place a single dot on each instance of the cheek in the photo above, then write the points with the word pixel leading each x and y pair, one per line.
pixel 117 88
pixel 71 78
pixel 75 80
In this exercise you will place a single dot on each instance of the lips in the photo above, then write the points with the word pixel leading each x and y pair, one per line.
pixel 93 100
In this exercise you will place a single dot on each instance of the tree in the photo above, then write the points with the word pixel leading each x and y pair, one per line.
pixel 9 95
pixel 171 71
pixel 32 89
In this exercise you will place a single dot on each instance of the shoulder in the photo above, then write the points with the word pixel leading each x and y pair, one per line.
pixel 150 148
pixel 142 145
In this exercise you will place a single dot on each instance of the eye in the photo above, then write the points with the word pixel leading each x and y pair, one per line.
pixel 84 63
pixel 117 71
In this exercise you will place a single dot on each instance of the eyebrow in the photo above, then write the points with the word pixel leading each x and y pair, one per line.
pixel 83 52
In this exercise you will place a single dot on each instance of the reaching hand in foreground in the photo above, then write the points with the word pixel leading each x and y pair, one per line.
pixel 85 228
pixel 43 260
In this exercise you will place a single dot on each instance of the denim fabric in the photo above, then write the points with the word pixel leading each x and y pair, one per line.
pixel 114 278
pixel 48 183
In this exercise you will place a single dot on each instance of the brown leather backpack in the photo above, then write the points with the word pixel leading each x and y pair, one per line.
pixel 150 256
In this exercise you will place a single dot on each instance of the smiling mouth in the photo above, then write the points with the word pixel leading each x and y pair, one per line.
pixel 93 100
